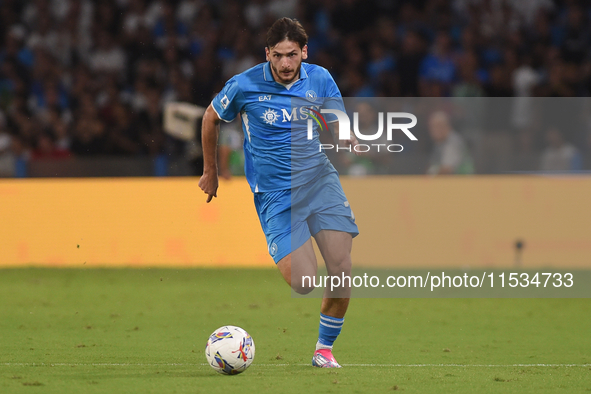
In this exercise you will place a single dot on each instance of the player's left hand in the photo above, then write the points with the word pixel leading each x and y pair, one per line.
pixel 209 184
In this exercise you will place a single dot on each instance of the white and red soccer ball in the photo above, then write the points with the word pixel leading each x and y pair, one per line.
pixel 229 350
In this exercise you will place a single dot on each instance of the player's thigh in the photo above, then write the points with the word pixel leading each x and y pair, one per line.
pixel 288 236
pixel 299 263
pixel 282 232
pixel 332 222
pixel 335 247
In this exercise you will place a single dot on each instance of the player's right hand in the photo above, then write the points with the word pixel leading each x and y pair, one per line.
pixel 353 142
pixel 209 184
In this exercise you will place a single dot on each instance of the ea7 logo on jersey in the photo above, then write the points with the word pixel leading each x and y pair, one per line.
pixel 225 101
pixel 265 98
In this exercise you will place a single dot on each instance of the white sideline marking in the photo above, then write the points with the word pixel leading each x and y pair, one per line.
pixel 286 365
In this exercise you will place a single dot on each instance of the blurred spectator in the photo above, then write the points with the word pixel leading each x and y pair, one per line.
pixel 187 10
pixel 89 131
pixel 559 155
pixel 353 15
pixel 573 37
pixel 14 49
pixel 450 153
pixel 499 84
pixel 242 58
pixel 123 136
pixel 470 84
pixel 6 156
pixel 438 69
pixel 409 64
pixel 46 149
pixel 108 57
pixel 381 64
pixel 355 84
pixel 524 79
pixel 149 122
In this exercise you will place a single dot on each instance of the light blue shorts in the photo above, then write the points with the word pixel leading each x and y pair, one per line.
pixel 290 217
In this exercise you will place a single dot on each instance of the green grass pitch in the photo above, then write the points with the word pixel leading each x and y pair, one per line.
pixel 144 331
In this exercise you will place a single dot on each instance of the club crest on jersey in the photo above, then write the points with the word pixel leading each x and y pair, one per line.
pixel 270 116
pixel 311 95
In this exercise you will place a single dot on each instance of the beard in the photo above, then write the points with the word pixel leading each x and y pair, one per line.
pixel 290 78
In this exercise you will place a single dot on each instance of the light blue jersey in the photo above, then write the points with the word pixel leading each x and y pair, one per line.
pixel 278 157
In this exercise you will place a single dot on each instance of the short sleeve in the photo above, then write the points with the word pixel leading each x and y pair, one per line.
pixel 229 102
pixel 333 98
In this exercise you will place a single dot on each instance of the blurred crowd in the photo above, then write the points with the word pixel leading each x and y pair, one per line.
pixel 86 77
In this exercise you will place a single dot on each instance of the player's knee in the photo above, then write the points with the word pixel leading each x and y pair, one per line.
pixel 302 290
pixel 303 276
pixel 303 285
pixel 340 266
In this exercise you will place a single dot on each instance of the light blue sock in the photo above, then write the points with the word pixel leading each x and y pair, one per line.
pixel 330 328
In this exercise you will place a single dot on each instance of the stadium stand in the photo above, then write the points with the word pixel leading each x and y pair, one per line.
pixel 84 78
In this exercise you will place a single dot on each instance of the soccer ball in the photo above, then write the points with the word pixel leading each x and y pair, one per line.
pixel 229 350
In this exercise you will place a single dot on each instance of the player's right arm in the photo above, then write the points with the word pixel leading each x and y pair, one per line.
pixel 210 131
pixel 225 106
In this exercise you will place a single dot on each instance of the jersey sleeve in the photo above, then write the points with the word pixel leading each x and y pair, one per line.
pixel 229 102
pixel 332 97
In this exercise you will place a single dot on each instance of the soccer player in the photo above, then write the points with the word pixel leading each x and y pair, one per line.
pixel 293 204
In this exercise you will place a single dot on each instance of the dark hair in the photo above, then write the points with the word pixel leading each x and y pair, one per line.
pixel 286 28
